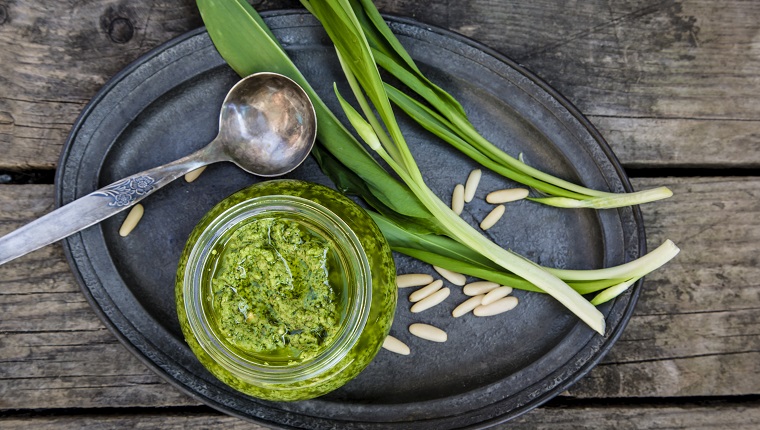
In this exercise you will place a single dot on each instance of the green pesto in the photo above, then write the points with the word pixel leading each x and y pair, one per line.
pixel 383 293
pixel 271 291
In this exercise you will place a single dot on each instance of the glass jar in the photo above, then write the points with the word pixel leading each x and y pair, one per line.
pixel 366 289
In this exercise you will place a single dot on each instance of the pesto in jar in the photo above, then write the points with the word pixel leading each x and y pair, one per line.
pixel 272 290
pixel 359 306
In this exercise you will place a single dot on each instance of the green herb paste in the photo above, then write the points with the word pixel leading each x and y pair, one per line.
pixel 271 290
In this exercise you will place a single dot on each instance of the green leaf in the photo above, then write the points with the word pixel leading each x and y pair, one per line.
pixel 402 237
pixel 450 254
pixel 441 127
pixel 382 39
pixel 248 46
pixel 359 61
pixel 350 183
pixel 234 25
pixel 465 268
pixel 391 56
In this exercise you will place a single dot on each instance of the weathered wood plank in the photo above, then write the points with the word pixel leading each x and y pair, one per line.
pixel 78 369
pixel 54 351
pixel 739 416
pixel 695 326
pixel 681 142
pixel 694 332
pixel 640 58
pixel 664 80
pixel 725 415
pixel 57 55
pixel 168 421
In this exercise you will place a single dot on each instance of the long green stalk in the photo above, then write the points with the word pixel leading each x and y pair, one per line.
pixel 634 269
pixel 457 228
pixel 389 54
pixel 359 66
pixel 246 43
pixel 435 123
pixel 450 254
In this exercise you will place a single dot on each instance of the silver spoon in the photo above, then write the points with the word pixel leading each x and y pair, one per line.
pixel 267 126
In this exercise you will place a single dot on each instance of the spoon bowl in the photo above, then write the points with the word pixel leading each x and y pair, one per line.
pixel 267 126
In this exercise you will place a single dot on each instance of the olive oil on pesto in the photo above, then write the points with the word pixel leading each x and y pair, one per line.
pixel 277 290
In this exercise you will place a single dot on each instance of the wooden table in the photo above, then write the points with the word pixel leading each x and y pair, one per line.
pixel 672 85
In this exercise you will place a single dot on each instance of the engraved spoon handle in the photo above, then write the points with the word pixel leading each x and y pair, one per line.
pixel 99 205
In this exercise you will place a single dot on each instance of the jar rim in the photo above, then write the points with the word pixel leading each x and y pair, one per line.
pixel 358 289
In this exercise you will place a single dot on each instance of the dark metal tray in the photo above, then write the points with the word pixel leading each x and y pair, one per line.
pixel 165 105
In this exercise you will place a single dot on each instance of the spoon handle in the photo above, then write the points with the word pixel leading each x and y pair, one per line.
pixel 96 206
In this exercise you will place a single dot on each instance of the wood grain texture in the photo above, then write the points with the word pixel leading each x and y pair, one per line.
pixel 743 416
pixel 696 324
pixel 669 83
pixel 55 57
pixel 684 71
pixel 694 332
pixel 54 351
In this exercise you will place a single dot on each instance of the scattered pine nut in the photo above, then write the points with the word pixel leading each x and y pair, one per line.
pixel 497 307
pixel 457 199
pixel 130 222
pixel 479 287
pixel 491 219
pixel 394 345
pixel 453 277
pixel 428 332
pixel 413 280
pixel 467 305
pixel 193 175
pixel 426 291
pixel 496 294
pixel 431 300
pixel 472 185
pixel 508 195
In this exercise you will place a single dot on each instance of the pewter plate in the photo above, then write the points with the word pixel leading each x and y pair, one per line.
pixel 165 105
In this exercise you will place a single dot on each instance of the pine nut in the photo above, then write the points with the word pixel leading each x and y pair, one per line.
pixel 426 291
pixel 130 222
pixel 193 175
pixel 428 332
pixel 453 277
pixel 479 287
pixel 413 280
pixel 467 305
pixel 472 185
pixel 457 199
pixel 497 307
pixel 508 195
pixel 492 217
pixel 394 345
pixel 496 294
pixel 431 300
